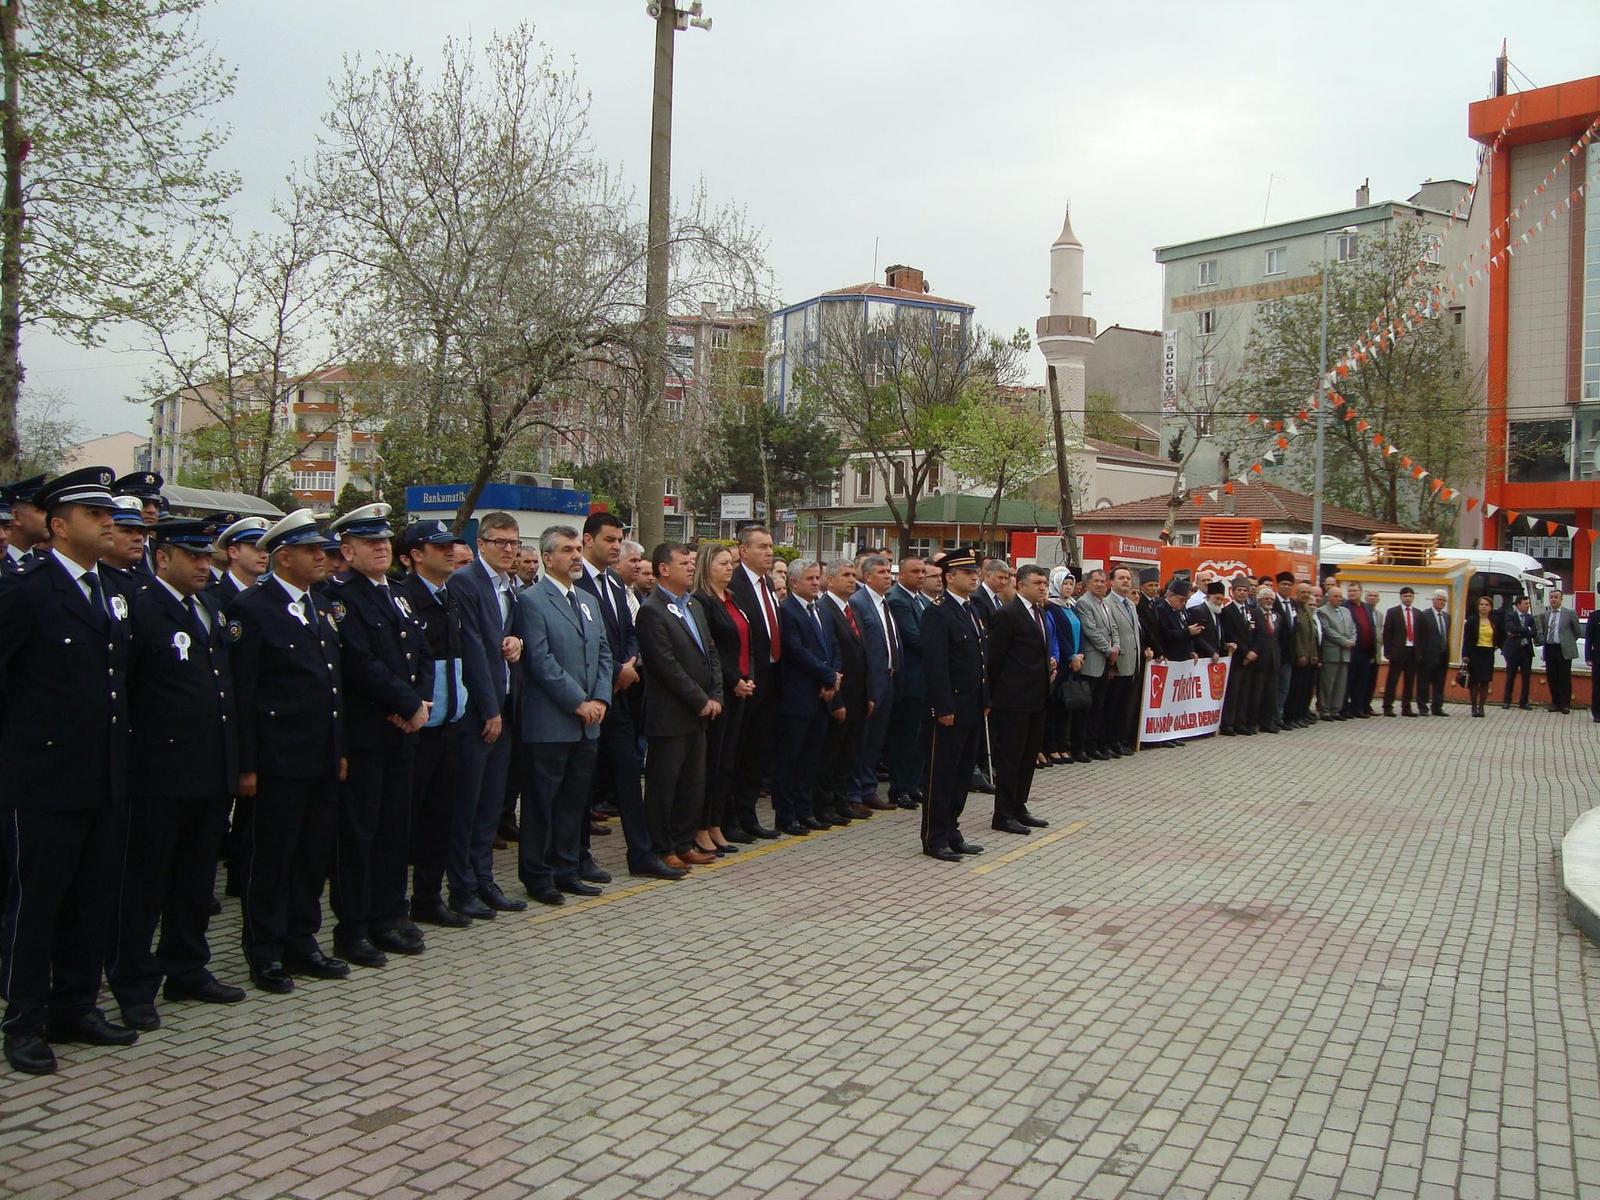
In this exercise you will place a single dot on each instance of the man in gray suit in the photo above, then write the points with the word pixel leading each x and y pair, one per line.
pixel 1338 636
pixel 566 671
pixel 1101 648
pixel 1122 707
pixel 1557 631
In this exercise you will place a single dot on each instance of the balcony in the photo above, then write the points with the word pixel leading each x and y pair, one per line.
pixel 1065 326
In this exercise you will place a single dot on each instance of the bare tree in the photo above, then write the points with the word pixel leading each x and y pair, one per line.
pixel 497 258
pixel 1207 401
pixel 1002 444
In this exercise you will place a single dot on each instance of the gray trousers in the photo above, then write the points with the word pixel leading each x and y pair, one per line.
pixel 1331 687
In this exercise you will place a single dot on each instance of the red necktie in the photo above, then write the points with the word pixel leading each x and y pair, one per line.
pixel 851 617
pixel 772 622
pixel 1411 635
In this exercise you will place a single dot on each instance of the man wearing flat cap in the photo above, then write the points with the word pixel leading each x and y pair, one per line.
pixel 953 634
pixel 388 676
pixel 64 740
pixel 183 768
pixel 286 654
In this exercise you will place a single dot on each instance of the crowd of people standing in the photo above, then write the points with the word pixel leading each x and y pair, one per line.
pixel 377 709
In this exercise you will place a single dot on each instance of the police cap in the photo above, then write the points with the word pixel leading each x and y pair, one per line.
pixel 299 528
pixel 86 485
pixel 370 521
pixel 129 510
pixel 186 535
pixel 962 558
pixel 245 531
pixel 432 533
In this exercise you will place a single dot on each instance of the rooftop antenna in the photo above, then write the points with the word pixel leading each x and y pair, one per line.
pixel 873 278
pixel 1268 203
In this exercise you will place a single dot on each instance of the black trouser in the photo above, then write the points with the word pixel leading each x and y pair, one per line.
pixel 480 791
pixel 617 771
pixel 908 745
pixel 1522 665
pixel 870 747
pixel 433 798
pixel 53 941
pixel 1433 686
pixel 675 787
pixel 169 871
pixel 1122 694
pixel 722 760
pixel 293 825
pixel 1402 676
pixel 1014 739
pixel 374 841
pixel 1266 668
pixel 797 759
pixel 236 844
pixel 1094 717
pixel 838 774
pixel 951 760
pixel 1558 673
pixel 760 715
pixel 1358 683
pixel 1302 687
pixel 556 779
pixel 1243 697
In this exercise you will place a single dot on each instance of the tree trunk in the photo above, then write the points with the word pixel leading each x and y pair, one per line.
pixel 1066 519
pixel 10 243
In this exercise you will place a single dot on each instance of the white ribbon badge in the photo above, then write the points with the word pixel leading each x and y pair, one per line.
pixel 181 643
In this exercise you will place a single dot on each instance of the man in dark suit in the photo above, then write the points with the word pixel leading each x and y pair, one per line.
pixel 241 541
pixel 1182 631
pixel 1204 617
pixel 1019 671
pixel 1518 649
pixel 909 727
pixel 880 637
pixel 429 546
pixel 683 691
pixel 1266 665
pixel 566 671
pixel 618 768
pixel 953 637
pixel 1239 620
pixel 1434 662
pixel 753 592
pixel 1403 631
pixel 1591 652
pixel 807 684
pixel 64 742
pixel 490 651
pixel 1557 631
pixel 286 656
pixel 183 770
pixel 127 555
pixel 1363 654
pixel 834 802
pixel 388 676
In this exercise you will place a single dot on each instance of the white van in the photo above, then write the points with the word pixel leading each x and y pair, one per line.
pixel 1501 574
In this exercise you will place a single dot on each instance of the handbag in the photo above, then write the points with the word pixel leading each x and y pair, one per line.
pixel 1461 677
pixel 1074 694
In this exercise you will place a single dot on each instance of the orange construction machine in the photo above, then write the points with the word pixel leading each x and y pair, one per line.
pixel 1232 546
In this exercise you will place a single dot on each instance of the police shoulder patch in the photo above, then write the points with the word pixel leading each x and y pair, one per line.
pixel 336 610
pixel 235 631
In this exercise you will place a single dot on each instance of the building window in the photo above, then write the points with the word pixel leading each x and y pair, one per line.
pixel 863 487
pixel 1206 320
pixel 1457 314
pixel 1589 358
pixel 750 377
pixel 719 337
pixel 313 481
pixel 1208 273
pixel 899 479
pixel 672 407
pixel 669 485
pixel 1433 251
pixel 934 477
pixel 1205 372
pixel 948 325
pixel 1347 246
pixel 1539 451
pixel 1204 424
pixel 1277 260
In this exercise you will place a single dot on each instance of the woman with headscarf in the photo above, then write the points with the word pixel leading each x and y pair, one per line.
pixel 1063 731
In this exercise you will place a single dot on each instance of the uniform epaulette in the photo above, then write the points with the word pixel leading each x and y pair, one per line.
pixel 31 564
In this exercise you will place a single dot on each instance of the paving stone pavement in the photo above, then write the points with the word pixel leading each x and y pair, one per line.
pixel 1330 963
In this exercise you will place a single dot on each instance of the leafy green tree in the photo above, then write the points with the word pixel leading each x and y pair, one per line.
pixel 778 456
pixel 608 482
pixel 108 175
pixel 1003 447
pixel 1419 393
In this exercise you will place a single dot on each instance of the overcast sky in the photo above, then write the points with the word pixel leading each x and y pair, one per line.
pixel 952 133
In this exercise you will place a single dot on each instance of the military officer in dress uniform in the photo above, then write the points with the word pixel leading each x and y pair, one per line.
pixel 430 546
pixel 145 487
pixel 388 680
pixel 286 659
pixel 127 557
pixel 241 542
pixel 952 661
pixel 183 768
pixel 64 740
pixel 30 530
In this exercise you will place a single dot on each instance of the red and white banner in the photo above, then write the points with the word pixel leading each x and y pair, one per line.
pixel 1182 699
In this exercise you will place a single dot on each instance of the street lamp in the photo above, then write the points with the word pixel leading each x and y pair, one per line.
pixel 1322 406
pixel 651 485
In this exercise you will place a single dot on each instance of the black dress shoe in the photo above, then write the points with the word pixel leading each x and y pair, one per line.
pixel 592 873
pixel 437 912
pixel 656 869
pixel 207 991
pixel 757 830
pixel 141 1018
pixel 943 855
pixel 551 896
pixel 30 1054
pixel 471 906
pixel 966 847
pixel 1033 822
pixel 598 830
pixel 1081 758
pixel 508 831
pixel 813 823
pixel 215 907
pixel 579 888
pixel 362 952
pixel 397 941
pixel 317 965
pixel 1007 825
pixel 734 834
pixel 794 829
pixel 499 901
pixel 273 978
pixel 906 802
pixel 980 784
pixel 89 1029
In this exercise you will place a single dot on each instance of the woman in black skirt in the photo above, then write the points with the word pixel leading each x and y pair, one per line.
pixel 1481 634
pixel 730 633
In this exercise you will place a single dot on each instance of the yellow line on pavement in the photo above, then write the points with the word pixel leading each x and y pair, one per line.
pixel 1029 847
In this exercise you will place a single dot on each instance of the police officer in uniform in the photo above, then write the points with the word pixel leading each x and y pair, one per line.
pixel 30 531
pixel 8 559
pixel 127 557
pixel 286 658
pixel 388 678
pixel 952 661
pixel 145 487
pixel 241 542
pixel 430 546
pixel 64 740
pixel 184 765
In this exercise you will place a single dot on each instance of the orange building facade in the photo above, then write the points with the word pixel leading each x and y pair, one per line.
pixel 1542 350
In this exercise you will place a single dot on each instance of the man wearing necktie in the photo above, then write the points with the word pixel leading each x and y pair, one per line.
pixel 1435 657
pixel 958 702
pixel 881 639
pixel 808 681
pixel 683 692
pixel 1518 649
pixel 1019 672
pixel 909 730
pixel 1557 631
pixel 1402 647
pixel 1127 674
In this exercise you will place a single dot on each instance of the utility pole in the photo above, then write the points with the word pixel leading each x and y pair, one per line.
pixel 648 518
pixel 1065 518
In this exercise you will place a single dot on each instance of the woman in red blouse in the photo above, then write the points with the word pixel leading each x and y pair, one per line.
pixel 731 634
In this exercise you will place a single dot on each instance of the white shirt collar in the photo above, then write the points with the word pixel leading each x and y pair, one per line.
pixel 495 577
pixel 176 595
pixel 241 584
pixel 73 568
pixel 836 600
pixel 295 594
pixel 564 588
pixel 758 580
